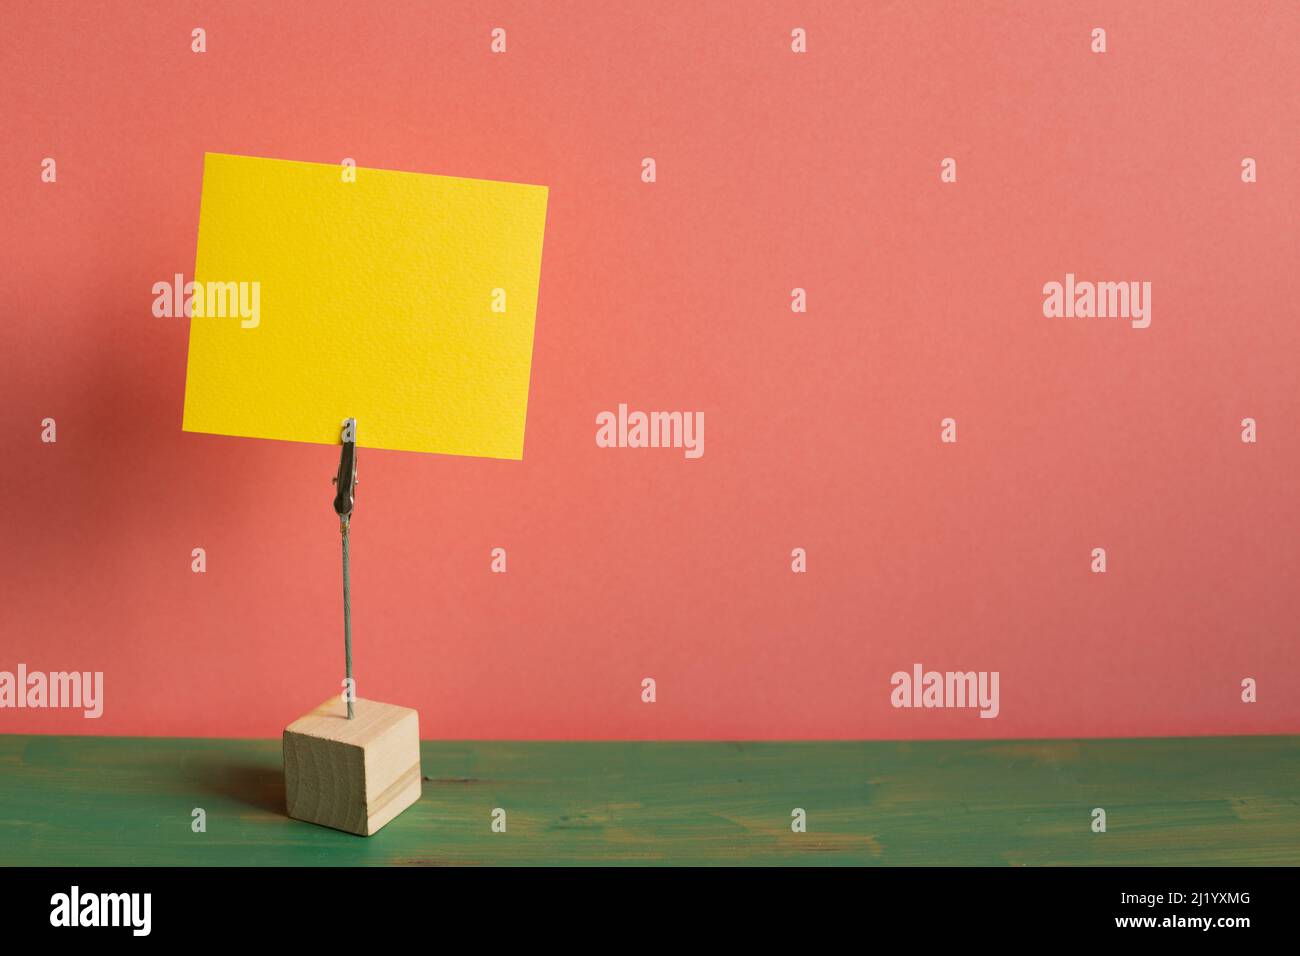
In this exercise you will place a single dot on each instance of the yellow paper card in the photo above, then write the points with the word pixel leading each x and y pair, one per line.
pixel 403 300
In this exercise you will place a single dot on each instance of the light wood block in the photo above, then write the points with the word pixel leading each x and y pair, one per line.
pixel 353 775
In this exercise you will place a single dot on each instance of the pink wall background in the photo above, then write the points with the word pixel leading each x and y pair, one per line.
pixel 822 430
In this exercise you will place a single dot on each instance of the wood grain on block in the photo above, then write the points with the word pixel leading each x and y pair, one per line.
pixel 352 775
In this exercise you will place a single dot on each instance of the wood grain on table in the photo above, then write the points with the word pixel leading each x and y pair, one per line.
pixel 101 801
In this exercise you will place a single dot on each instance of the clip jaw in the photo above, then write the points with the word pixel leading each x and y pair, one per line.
pixel 345 481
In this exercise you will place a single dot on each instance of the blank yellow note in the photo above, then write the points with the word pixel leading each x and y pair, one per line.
pixel 403 300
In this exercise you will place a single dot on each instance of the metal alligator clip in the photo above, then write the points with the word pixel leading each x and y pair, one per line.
pixel 346 480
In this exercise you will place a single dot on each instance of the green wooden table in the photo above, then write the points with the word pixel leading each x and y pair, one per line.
pixel 1178 801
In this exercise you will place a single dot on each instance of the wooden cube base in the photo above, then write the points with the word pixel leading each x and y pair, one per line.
pixel 352 775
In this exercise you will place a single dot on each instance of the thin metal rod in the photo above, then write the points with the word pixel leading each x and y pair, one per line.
pixel 347 625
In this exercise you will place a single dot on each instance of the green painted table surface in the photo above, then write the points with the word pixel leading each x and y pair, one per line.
pixel 1179 801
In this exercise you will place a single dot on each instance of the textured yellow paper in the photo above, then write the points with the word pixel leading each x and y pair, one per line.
pixel 376 303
